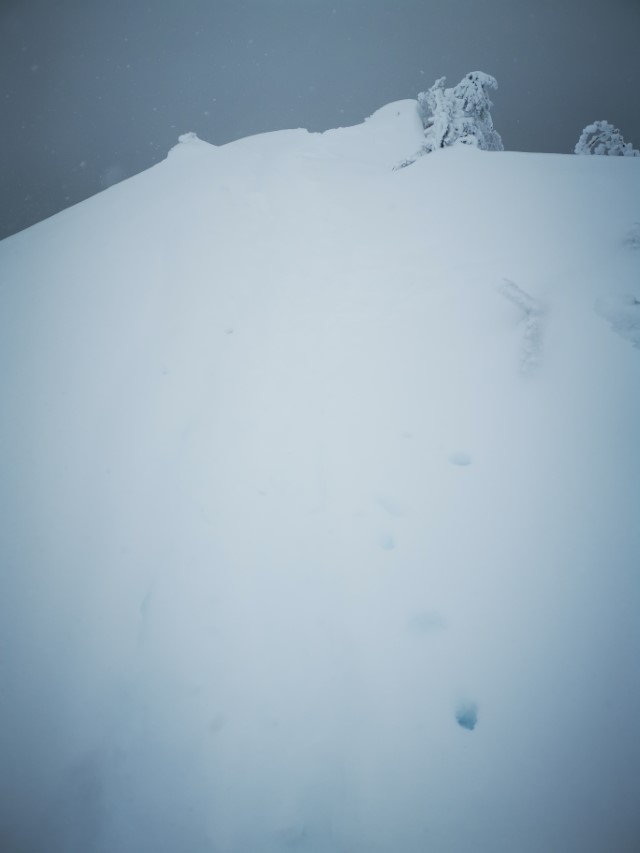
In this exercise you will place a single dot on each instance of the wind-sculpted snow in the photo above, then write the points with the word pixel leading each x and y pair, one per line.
pixel 298 551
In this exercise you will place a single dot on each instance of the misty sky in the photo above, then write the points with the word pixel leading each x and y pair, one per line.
pixel 93 91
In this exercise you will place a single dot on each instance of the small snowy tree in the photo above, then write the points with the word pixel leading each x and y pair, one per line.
pixel 460 115
pixel 601 137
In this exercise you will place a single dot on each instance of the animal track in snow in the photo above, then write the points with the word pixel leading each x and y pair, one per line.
pixel 532 319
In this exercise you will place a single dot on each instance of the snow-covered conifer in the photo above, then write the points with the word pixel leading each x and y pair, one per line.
pixel 602 137
pixel 461 114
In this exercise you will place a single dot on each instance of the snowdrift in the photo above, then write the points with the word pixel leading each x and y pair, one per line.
pixel 320 489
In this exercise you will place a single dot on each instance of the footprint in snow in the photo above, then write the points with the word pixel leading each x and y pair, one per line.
pixel 387 542
pixel 460 457
pixel 467 715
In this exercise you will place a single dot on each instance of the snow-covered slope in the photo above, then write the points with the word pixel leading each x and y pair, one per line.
pixel 320 491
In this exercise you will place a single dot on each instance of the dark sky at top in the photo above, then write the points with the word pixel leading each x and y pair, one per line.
pixel 93 91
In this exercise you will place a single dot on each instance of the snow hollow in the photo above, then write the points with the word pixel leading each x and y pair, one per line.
pixel 320 504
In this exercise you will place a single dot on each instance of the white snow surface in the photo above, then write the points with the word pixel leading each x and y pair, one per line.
pixel 320 504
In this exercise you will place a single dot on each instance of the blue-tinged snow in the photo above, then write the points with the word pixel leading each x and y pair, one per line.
pixel 320 487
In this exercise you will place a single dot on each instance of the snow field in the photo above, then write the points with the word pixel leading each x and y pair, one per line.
pixel 320 493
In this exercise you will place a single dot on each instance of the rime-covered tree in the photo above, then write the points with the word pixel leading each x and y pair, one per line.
pixel 601 137
pixel 460 115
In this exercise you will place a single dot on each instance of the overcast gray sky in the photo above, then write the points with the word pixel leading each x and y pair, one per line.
pixel 96 90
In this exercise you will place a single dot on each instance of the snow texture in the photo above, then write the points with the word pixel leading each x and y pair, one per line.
pixel 276 499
